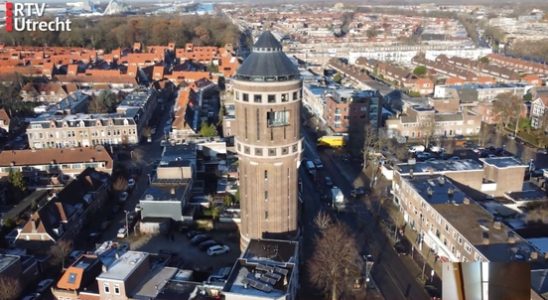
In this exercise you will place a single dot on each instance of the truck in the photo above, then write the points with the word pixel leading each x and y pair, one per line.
pixel 337 198
pixel 332 141
pixel 311 168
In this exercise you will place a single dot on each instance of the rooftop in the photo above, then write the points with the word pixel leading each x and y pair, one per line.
pixel 161 190
pixel 264 271
pixel 123 267
pixel 6 261
pixel 503 162
pixel 440 166
pixel 155 280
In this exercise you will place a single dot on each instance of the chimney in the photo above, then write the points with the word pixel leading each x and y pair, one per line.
pixel 430 192
pixel 466 200
pixel 534 255
pixel 104 268
pixel 497 225
pixel 89 180
pixel 485 237
pixel 172 191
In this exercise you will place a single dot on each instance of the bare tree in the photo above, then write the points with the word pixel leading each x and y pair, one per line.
pixel 507 108
pixel 10 288
pixel 322 220
pixel 427 129
pixel 119 184
pixel 335 263
pixel 60 251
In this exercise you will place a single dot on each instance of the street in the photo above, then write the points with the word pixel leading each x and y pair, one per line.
pixel 389 273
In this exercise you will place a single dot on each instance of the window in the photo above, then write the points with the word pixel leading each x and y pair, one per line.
pixel 245 97
pixel 285 97
pixel 295 95
pixel 266 214
pixel 257 98
pixel 117 289
pixel 246 150
pixel 106 288
pixel 265 174
pixel 277 118
pixel 265 195
pixel 258 151
pixel 285 150
pixel 272 152
pixel 237 95
pixel 271 98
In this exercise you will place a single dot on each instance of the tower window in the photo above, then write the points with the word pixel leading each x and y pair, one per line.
pixel 272 152
pixel 285 150
pixel 277 118
pixel 246 150
pixel 245 97
pixel 265 195
pixel 266 214
pixel 258 151
pixel 295 95
pixel 271 98
pixel 257 98
pixel 285 97
pixel 265 174
pixel 237 94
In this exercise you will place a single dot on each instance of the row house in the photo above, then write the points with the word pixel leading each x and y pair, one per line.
pixel 501 73
pixel 81 130
pixel 71 161
pixel 351 72
pixel 422 122
pixel 403 78
pixel 43 92
pixel 139 105
pixel 101 79
pixel 4 121
pixel 518 64
pixel 63 217
pixel 142 60
pixel 202 54
pixel 179 77
pixel 539 112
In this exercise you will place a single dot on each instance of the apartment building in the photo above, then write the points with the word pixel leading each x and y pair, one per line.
pixel 539 110
pixel 485 92
pixel 347 110
pixel 314 99
pixel 425 121
pixel 454 226
pixel 78 278
pixel 51 130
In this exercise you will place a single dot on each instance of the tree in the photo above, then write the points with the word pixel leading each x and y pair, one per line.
pixel 208 130
pixel 59 252
pixel 17 181
pixel 371 33
pixel 484 60
pixel 119 184
pixel 427 129
pixel 335 262
pixel 337 77
pixel 104 102
pixel 420 70
pixel 507 107
pixel 10 288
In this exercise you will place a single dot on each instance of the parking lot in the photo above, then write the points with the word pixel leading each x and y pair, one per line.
pixel 187 255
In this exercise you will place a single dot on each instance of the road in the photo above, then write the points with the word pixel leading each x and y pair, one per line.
pixel 391 275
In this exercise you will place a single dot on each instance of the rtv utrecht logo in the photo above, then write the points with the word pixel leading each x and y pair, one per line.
pixel 19 17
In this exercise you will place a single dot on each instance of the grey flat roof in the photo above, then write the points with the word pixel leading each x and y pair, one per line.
pixel 155 280
pixel 438 166
pixel 163 192
pixel 124 266
pixel 7 260
pixel 503 162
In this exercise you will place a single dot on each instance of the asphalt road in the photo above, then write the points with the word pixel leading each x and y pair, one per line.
pixel 390 274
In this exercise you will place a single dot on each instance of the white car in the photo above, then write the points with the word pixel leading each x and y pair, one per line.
pixel 123 196
pixel 44 285
pixel 130 183
pixel 416 148
pixel 217 250
pixel 122 233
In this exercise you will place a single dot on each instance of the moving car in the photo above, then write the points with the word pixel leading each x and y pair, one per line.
pixel 122 233
pixel 123 197
pixel 44 285
pixel 217 250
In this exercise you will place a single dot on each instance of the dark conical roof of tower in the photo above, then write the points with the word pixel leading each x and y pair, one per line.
pixel 267 62
pixel 267 40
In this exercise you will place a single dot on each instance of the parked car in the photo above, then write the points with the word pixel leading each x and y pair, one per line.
pixel 318 163
pixel 402 247
pixel 328 181
pixel 33 296
pixel 123 196
pixel 203 246
pixel 217 250
pixel 357 192
pixel 131 183
pixel 454 158
pixel 192 234
pixel 44 285
pixel 423 155
pixel 436 149
pixel 198 239
pixel 416 148
pixel 122 233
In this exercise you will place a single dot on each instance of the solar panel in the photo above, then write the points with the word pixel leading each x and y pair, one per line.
pixel 266 268
pixel 274 276
pixel 264 287
pixel 266 279
pixel 281 271
pixel 72 278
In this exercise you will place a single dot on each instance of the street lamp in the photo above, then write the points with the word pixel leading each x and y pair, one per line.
pixel 127 222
